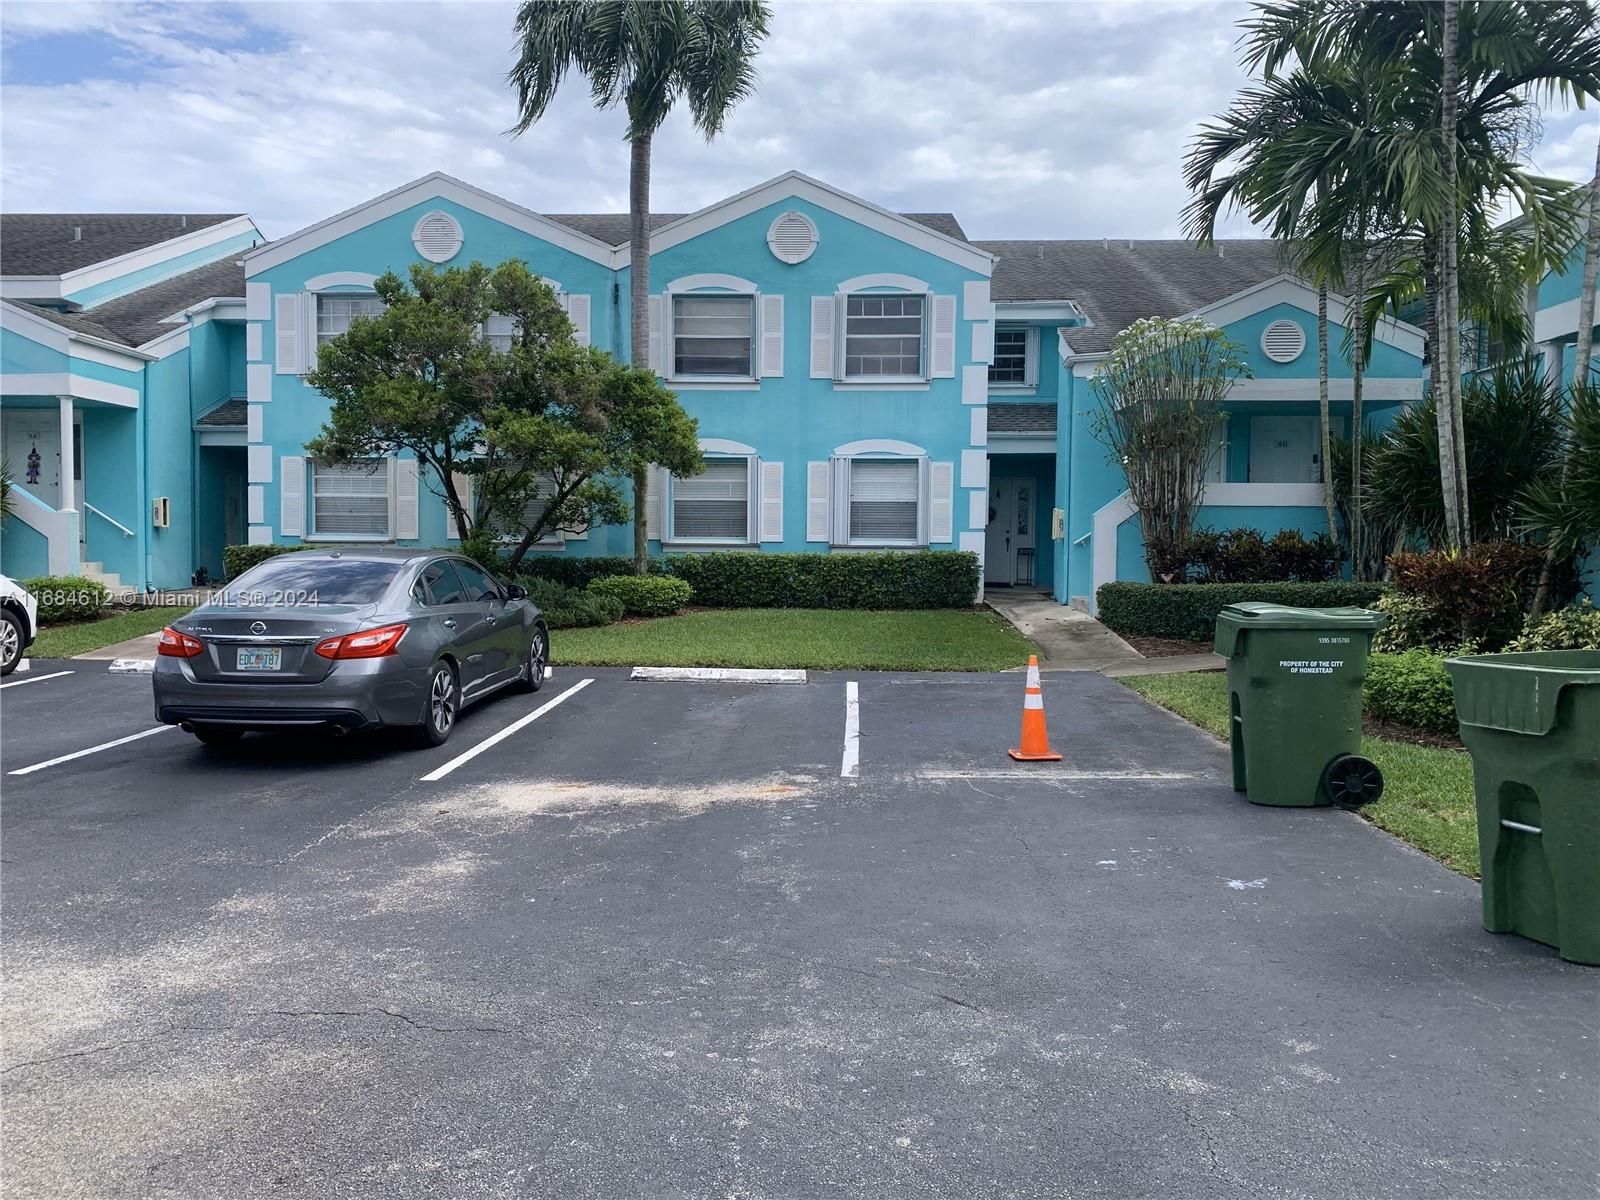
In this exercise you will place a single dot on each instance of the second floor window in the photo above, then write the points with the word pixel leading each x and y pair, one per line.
pixel 350 499
pixel 713 335
pixel 499 330
pixel 883 336
pixel 334 311
pixel 1010 365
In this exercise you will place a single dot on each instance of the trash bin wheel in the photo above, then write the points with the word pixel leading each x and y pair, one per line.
pixel 1351 781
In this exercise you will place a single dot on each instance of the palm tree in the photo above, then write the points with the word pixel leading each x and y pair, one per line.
pixel 1468 74
pixel 643 55
pixel 1591 276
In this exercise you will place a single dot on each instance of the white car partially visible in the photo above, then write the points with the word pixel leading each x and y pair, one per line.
pixel 19 623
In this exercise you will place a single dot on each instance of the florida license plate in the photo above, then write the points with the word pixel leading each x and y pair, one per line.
pixel 267 658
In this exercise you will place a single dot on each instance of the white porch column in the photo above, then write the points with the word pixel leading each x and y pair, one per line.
pixel 69 498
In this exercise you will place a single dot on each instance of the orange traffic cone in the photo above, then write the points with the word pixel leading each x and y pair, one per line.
pixel 1035 742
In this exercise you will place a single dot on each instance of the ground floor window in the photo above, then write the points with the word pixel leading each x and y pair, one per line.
pixel 713 506
pixel 350 499
pixel 532 512
pixel 884 498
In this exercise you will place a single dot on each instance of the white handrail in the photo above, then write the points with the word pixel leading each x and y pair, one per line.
pixel 106 517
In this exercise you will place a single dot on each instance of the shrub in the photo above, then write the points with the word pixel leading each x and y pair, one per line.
pixel 1482 595
pixel 739 579
pixel 644 595
pixel 1414 624
pixel 1574 628
pixel 571 608
pixel 236 560
pixel 1245 556
pixel 1411 688
pixel 1189 610
pixel 921 579
pixel 68 597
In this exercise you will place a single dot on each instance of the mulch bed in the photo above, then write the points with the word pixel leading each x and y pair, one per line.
pixel 1160 647
pixel 1395 732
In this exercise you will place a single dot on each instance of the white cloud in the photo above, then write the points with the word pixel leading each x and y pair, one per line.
pixel 1023 119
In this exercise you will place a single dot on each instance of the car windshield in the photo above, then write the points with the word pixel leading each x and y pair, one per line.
pixel 293 579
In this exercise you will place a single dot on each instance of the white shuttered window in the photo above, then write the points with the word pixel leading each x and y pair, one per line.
pixel 335 310
pixel 714 505
pixel 884 495
pixel 350 499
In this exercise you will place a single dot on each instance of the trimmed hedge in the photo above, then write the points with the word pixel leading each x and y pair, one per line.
pixel 644 595
pixel 1411 688
pixel 739 579
pixel 1189 610
pixel 236 560
pixel 1574 628
pixel 67 597
pixel 572 608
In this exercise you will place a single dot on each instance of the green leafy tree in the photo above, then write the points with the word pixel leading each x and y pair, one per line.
pixel 539 427
pixel 643 55
pixel 1160 392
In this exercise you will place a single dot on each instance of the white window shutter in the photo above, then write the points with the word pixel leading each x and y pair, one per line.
pixel 752 499
pixel 657 359
pixel 924 488
pixel 771 502
pixel 839 509
pixel 943 358
pixel 771 337
pixel 292 495
pixel 578 314
pixel 463 485
pixel 286 334
pixel 817 480
pixel 941 502
pixel 822 314
pixel 574 535
pixel 652 504
pixel 404 525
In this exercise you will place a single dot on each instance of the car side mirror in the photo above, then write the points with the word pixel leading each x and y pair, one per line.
pixel 516 592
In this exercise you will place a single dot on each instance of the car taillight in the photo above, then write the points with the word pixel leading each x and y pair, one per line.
pixel 178 645
pixel 369 643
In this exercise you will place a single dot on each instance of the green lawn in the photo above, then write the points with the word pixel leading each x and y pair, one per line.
pixel 937 640
pixel 80 637
pixel 1427 797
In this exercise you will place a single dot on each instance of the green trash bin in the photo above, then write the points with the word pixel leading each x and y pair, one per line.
pixel 1532 724
pixel 1294 702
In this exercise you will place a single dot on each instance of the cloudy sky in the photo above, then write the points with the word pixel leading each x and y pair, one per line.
pixel 1026 120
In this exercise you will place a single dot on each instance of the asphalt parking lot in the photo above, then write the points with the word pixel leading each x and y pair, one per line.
pixel 663 940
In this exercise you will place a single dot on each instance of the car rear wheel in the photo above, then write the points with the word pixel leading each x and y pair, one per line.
pixel 443 704
pixel 218 735
pixel 10 642
pixel 537 663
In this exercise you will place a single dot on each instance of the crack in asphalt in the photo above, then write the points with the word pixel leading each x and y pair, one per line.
pixel 383 1012
pixel 910 987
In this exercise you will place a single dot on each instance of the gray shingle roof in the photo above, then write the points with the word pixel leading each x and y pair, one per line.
pixel 612 228
pixel 1116 282
pixel 55 243
pixel 230 414
pixel 1006 417
pixel 136 318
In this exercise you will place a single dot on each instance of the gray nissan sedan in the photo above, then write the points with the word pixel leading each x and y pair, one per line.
pixel 347 639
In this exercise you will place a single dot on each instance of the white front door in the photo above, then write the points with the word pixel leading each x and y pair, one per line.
pixel 1009 538
pixel 1284 450
pixel 33 452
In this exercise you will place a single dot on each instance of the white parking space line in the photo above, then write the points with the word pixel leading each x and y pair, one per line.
pixel 34 679
pixel 123 741
pixel 850 766
pixel 495 739
pixel 1056 775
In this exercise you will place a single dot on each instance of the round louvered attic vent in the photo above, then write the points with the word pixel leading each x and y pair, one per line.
pixel 437 237
pixel 1282 341
pixel 792 237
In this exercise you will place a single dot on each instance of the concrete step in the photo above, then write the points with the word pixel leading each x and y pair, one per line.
pixel 98 573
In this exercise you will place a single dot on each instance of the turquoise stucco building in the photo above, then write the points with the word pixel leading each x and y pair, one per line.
pixel 861 378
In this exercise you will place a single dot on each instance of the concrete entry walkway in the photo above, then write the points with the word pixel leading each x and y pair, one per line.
pixel 1072 640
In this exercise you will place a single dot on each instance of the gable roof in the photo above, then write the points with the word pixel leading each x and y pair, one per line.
pixel 1116 282
pixel 56 243
pixel 612 228
pixel 924 236
pixel 436 185
pixel 140 316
